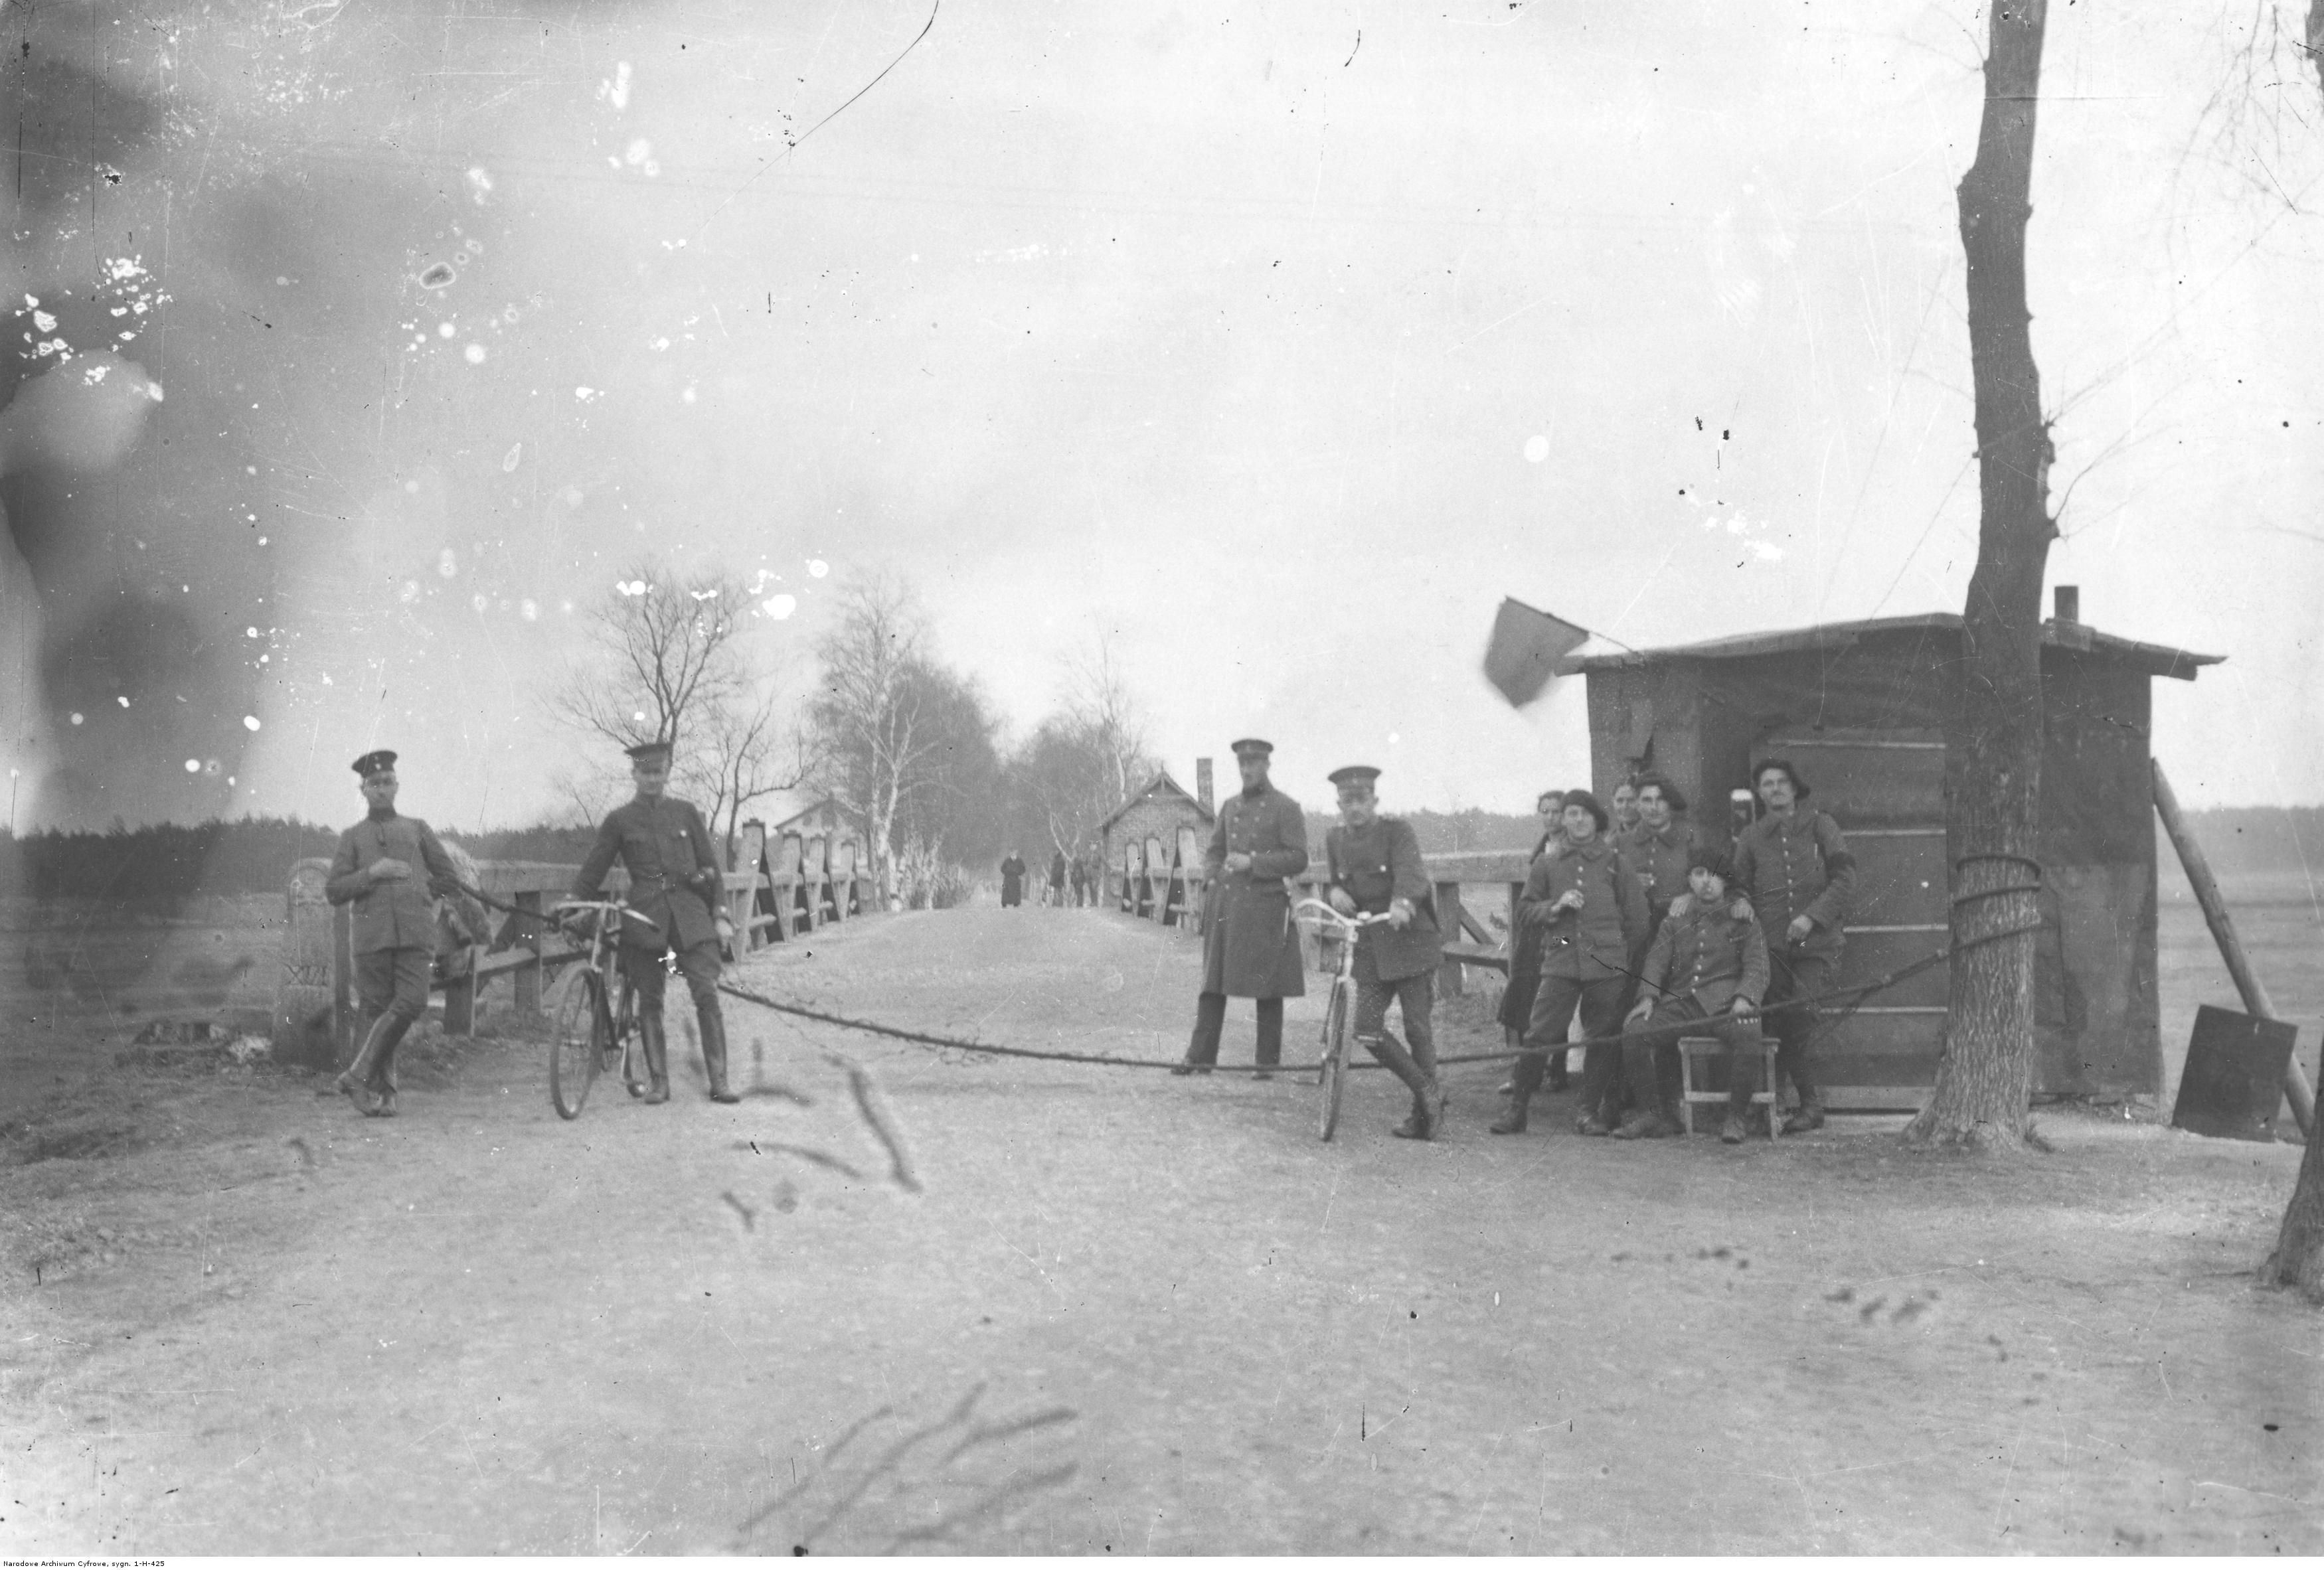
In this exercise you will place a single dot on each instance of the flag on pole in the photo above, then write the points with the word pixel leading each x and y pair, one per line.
pixel 1527 650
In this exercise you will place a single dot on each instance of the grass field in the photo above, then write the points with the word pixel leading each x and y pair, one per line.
pixel 1103 1311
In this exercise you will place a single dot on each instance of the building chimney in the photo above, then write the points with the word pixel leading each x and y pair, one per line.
pixel 2069 602
pixel 1202 783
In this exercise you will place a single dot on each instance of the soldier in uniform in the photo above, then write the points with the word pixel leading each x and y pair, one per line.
pixel 1249 947
pixel 1794 867
pixel 1587 903
pixel 1706 966
pixel 674 882
pixel 1375 869
pixel 1659 848
pixel 1625 802
pixel 394 926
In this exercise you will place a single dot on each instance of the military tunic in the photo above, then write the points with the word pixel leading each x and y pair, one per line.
pixel 1249 947
pixel 1789 868
pixel 397 913
pixel 1376 864
pixel 673 872
pixel 1659 858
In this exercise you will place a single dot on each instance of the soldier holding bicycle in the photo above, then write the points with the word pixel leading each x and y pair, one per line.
pixel 1375 869
pixel 676 884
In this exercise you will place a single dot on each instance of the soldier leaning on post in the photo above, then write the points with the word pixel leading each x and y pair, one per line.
pixel 1704 968
pixel 674 882
pixel 1795 869
pixel 1525 948
pixel 394 926
pixel 1375 869
pixel 1593 915
pixel 1249 947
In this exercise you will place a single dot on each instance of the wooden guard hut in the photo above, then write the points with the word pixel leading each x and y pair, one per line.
pixel 1156 811
pixel 1861 708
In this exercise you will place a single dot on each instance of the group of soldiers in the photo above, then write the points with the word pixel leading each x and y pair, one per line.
pixel 391 868
pixel 1626 921
pixel 1072 881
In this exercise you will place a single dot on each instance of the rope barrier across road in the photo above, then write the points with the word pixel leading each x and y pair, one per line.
pixel 1855 993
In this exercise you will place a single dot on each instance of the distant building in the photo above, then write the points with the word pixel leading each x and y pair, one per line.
pixel 1156 811
pixel 806 815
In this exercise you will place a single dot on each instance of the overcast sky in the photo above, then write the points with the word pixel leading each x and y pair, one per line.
pixel 1279 342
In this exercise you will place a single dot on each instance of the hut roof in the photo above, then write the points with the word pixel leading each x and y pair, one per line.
pixel 780 808
pixel 1161 783
pixel 2153 658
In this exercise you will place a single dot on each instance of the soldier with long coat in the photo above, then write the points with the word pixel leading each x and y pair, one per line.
pixel 1250 949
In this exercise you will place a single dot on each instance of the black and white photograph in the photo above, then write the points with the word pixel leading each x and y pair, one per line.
pixel 1194 777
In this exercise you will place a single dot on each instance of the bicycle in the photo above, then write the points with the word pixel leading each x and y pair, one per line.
pixel 596 1025
pixel 1339 1013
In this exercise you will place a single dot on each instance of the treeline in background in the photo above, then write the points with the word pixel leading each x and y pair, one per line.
pixel 255 855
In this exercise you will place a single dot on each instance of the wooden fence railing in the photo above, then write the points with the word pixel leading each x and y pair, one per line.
pixel 802 887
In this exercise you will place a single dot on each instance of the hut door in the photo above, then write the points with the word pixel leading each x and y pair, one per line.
pixel 1886 789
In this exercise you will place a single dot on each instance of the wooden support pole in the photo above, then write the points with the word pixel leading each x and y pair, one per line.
pixel 460 994
pixel 2296 1089
pixel 527 981
pixel 1449 915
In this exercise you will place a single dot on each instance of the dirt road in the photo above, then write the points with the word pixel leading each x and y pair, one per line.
pixel 1103 1310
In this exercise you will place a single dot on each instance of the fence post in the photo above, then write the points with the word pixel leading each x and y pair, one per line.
pixel 343 983
pixel 460 994
pixel 1448 925
pixel 527 981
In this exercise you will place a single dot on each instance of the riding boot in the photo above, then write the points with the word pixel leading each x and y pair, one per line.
pixel 379 1043
pixel 1399 1062
pixel 713 1050
pixel 1743 1073
pixel 1559 1082
pixel 1202 1046
pixel 1791 1061
pixel 657 1049
pixel 1646 1119
pixel 1528 1081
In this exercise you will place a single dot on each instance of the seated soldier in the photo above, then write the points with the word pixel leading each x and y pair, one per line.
pixel 1707 964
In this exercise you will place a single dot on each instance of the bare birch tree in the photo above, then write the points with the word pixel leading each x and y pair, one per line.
pixel 870 738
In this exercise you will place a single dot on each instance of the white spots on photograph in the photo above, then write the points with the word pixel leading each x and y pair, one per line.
pixel 617 91
pixel 411 487
pixel 1537 449
pixel 210 766
pixel 79 717
pixel 193 766
pixel 445 329
pixel 281 282
pixel 818 568
pixel 688 395
pixel 409 593
pixel 153 390
pixel 473 354
pixel 571 496
pixel 479 604
pixel 250 722
pixel 43 320
pixel 250 468
pixel 512 458
pixel 1393 738
pixel 440 276
pixel 660 343
pixel 639 716
pixel 585 394
pixel 480 184
pixel 639 154
pixel 448 562
pixel 529 610
pixel 93 374
pixel 632 587
pixel 510 315
pixel 122 701
pixel 250 632
pixel 780 606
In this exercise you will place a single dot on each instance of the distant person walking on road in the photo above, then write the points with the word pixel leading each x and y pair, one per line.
pixel 1057 894
pixel 1376 869
pixel 377 870
pixel 1012 880
pixel 676 884
pixel 1080 877
pixel 1249 947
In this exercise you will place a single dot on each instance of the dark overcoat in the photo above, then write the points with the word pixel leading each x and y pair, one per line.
pixel 1376 864
pixel 1250 949
pixel 673 872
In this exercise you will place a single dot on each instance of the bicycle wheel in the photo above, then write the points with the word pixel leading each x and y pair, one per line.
pixel 1333 1078
pixel 573 1050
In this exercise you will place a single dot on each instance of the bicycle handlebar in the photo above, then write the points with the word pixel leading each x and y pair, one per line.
pixel 1348 923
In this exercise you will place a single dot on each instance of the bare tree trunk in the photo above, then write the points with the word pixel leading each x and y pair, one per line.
pixel 1993 737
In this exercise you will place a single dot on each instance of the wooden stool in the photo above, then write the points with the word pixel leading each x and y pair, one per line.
pixel 1693 1048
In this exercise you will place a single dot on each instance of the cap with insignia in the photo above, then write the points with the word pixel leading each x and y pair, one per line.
pixel 371 763
pixel 1355 773
pixel 1250 746
pixel 649 752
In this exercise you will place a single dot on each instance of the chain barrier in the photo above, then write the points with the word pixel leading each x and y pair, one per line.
pixel 1855 993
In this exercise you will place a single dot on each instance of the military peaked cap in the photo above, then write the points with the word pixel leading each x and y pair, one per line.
pixel 1250 746
pixel 371 763
pixel 649 752
pixel 1355 773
